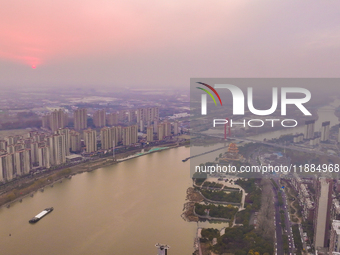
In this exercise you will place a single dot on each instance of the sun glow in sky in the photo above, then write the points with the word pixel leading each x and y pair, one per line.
pixel 159 43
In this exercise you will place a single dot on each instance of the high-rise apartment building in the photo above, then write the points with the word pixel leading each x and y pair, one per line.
pixel 90 138
pixel 149 134
pixel 55 120
pixel 34 153
pixel 6 166
pixel 13 139
pixel 66 133
pixel 75 141
pixel 3 167
pixel 44 156
pixel 99 118
pixel 334 243
pixel 131 116
pixel 141 114
pixel 80 119
pixel 58 119
pixel 325 131
pixel 112 119
pixel 322 212
pixel 309 129
pixel 45 121
pixel 141 126
pixel 134 134
pixel 167 128
pixel 36 136
pixel 59 149
pixel 122 116
pixel 155 126
pixel 3 145
pixel 19 146
pixel 106 138
pixel 130 135
pixel 27 142
pixel 11 148
pixel 147 114
pixel 22 163
pixel 161 131
pixel 126 135
pixel 57 145
pixel 176 128
pixel 116 133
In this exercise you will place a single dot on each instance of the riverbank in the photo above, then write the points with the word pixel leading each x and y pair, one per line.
pixel 28 185
pixel 188 208
pixel 194 196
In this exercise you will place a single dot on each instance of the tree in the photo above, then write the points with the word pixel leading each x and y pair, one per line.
pixel 251 252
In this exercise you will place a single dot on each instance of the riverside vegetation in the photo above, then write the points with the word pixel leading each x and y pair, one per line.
pixel 243 238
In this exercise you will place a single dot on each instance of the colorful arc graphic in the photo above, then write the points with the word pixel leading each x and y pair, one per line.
pixel 212 89
pixel 208 93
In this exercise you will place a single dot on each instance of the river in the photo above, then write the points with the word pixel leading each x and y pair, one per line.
pixel 122 209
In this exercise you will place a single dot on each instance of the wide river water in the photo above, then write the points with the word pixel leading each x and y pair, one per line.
pixel 122 209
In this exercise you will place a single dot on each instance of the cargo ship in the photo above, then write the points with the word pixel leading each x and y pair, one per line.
pixel 40 215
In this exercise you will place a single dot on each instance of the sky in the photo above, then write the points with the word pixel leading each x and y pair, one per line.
pixel 162 44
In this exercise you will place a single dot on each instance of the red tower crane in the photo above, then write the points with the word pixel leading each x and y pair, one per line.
pixel 225 129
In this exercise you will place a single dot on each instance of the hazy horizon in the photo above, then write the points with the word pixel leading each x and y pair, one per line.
pixel 162 44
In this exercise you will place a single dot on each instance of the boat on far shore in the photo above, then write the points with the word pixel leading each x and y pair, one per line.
pixel 142 153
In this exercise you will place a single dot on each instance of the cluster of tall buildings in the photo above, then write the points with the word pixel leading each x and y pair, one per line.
pixel 99 118
pixel 309 133
pixel 112 136
pixel 162 130
pixel 143 117
pixel 315 137
pixel 146 117
pixel 147 114
pixel 80 119
pixel 324 212
pixel 55 120
pixel 18 154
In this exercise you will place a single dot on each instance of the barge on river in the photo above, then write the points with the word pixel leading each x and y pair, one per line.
pixel 41 215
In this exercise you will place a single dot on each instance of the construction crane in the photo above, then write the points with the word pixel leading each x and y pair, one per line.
pixel 225 129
